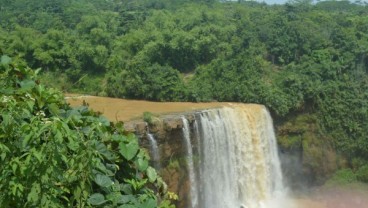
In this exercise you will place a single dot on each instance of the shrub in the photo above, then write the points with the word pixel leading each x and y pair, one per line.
pixel 54 156
pixel 342 177
pixel 148 117
pixel 362 174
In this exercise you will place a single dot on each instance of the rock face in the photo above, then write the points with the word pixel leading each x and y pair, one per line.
pixel 307 155
pixel 137 127
pixel 167 131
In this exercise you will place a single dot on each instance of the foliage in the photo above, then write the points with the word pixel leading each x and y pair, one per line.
pixel 295 58
pixel 148 117
pixel 55 156
pixel 348 176
pixel 342 177
pixel 154 82
pixel 362 174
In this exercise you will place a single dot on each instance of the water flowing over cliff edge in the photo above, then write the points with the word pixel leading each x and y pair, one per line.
pixel 228 142
pixel 239 163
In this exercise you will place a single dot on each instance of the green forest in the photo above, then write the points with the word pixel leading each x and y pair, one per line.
pixel 307 62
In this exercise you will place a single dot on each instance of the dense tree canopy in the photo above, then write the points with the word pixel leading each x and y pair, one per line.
pixel 294 58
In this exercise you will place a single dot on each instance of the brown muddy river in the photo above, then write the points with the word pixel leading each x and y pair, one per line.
pixel 124 110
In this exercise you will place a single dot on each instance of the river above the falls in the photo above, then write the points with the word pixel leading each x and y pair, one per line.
pixel 116 109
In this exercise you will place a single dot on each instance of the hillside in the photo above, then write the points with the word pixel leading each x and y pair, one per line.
pixel 308 63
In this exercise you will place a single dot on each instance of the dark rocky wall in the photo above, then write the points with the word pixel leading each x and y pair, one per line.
pixel 168 132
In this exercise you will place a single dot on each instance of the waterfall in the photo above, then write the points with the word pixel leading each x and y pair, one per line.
pixel 197 136
pixel 154 151
pixel 239 164
pixel 192 176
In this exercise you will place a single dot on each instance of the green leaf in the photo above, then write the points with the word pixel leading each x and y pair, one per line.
pixel 37 71
pixel 14 167
pixel 118 138
pixel 103 181
pixel 124 199
pixel 112 168
pixel 3 156
pixel 96 199
pixel 104 121
pixel 142 164
pixel 30 104
pixel 54 109
pixel 114 197
pixel 118 198
pixel 72 144
pixel 128 151
pixel 5 60
pixel 102 149
pixel 6 120
pixel 27 84
pixel 126 188
pixel 26 139
pixel 33 196
pixel 152 174
pixel 131 138
pixel 38 155
pixel 40 102
pixel 137 184
pixel 150 203
pixel 127 206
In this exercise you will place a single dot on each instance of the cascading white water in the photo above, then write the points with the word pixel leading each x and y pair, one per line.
pixel 154 151
pixel 239 161
pixel 192 176
pixel 197 136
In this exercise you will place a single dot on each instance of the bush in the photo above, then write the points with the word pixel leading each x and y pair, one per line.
pixel 342 177
pixel 148 117
pixel 362 174
pixel 54 156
